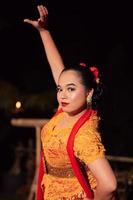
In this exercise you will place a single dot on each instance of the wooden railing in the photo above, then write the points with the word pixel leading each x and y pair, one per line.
pixel 37 124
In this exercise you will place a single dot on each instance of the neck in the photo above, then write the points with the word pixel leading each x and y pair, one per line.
pixel 76 115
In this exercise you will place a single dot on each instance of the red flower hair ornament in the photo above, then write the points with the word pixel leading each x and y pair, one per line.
pixel 94 70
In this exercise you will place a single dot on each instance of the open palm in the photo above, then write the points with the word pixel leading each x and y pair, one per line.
pixel 40 23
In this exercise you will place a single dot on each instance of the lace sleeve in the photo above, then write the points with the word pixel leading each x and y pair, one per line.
pixel 88 146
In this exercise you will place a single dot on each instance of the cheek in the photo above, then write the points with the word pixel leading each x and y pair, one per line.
pixel 58 97
pixel 77 96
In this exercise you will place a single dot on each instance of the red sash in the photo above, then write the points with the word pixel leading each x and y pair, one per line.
pixel 74 163
pixel 39 192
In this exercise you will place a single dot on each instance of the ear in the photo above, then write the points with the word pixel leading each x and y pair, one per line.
pixel 90 93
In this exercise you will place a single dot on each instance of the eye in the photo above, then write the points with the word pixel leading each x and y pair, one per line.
pixel 58 89
pixel 70 89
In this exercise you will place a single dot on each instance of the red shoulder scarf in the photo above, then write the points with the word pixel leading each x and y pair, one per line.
pixel 74 163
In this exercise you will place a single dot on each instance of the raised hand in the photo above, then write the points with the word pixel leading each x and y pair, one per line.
pixel 40 23
pixel 53 55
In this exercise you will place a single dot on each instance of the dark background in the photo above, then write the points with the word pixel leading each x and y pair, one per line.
pixel 93 32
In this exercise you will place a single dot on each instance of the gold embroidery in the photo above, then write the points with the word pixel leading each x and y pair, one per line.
pixel 59 172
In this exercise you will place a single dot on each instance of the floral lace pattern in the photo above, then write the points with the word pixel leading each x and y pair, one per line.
pixel 87 148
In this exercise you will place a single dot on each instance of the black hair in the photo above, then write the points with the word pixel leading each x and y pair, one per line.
pixel 89 81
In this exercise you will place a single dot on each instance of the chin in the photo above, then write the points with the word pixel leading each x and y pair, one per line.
pixel 66 110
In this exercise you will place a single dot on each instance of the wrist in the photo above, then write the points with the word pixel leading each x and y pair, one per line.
pixel 43 31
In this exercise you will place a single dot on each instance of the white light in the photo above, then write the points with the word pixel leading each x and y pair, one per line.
pixel 18 104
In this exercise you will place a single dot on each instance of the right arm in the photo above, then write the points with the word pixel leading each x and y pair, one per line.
pixel 52 53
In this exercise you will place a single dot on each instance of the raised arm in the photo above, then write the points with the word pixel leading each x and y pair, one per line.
pixel 52 53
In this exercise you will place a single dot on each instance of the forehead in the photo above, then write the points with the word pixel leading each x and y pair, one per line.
pixel 69 76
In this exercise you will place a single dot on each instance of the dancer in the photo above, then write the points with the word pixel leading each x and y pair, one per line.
pixel 72 151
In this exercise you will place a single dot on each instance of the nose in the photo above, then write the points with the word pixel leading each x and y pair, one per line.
pixel 63 94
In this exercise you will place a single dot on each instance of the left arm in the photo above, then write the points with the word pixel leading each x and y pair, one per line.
pixel 106 181
pixel 91 151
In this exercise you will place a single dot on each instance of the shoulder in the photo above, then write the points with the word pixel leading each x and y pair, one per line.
pixel 88 144
pixel 52 122
pixel 91 124
pixel 89 132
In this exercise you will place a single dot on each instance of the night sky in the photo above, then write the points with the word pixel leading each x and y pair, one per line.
pixel 96 33
pixel 93 32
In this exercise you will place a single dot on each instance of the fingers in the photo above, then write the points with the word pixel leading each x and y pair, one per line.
pixel 43 12
pixel 41 21
pixel 44 9
pixel 27 21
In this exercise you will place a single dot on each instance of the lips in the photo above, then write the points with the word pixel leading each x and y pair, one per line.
pixel 64 104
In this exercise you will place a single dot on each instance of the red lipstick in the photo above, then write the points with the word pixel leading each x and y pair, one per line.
pixel 64 104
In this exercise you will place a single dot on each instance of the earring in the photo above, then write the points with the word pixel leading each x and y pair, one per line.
pixel 89 101
pixel 89 98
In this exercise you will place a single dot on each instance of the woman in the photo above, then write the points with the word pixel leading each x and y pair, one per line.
pixel 75 163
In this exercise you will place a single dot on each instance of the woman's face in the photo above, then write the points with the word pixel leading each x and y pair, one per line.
pixel 71 94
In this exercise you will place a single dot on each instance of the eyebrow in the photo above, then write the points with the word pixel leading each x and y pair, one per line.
pixel 69 84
